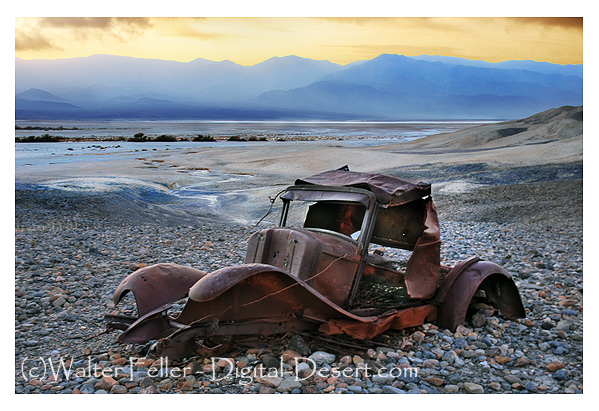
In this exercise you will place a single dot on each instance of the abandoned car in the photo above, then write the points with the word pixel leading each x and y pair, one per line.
pixel 354 253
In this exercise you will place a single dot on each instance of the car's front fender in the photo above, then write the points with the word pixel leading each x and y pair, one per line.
pixel 157 285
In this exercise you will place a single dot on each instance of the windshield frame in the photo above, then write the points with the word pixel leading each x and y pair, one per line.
pixel 347 195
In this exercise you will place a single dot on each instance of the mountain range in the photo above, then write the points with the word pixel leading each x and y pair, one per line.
pixel 388 87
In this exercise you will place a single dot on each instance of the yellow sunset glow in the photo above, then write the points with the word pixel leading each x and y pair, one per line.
pixel 250 40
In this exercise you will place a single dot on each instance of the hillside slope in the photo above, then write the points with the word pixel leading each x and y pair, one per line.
pixel 550 137
pixel 557 124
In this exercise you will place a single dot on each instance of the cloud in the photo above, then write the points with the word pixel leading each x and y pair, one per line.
pixel 360 21
pixel 186 27
pixel 95 22
pixel 399 23
pixel 82 27
pixel 32 41
pixel 562 22
pixel 185 31
pixel 454 24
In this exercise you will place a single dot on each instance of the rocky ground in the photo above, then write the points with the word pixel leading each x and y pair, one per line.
pixel 70 258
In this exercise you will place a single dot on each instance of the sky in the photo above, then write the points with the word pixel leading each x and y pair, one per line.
pixel 251 40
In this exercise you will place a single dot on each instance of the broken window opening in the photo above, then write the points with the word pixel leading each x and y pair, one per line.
pixel 343 218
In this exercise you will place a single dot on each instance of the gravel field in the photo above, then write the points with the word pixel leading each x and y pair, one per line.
pixel 73 250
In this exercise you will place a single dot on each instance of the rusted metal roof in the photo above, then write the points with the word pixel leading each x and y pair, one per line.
pixel 388 190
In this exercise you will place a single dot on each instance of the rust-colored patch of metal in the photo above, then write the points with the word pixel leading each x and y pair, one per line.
pixel 409 317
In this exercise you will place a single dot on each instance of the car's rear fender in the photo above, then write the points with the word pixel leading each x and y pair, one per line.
pixel 464 280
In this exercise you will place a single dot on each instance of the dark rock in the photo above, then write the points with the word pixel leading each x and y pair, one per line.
pixel 530 386
pixel 479 319
pixel 146 382
pixel 297 344
pixel 547 325
pixel 561 375
pixel 270 362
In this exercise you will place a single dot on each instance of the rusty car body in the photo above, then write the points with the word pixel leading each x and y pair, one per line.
pixel 318 270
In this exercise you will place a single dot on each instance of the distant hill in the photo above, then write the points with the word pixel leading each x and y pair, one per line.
pixel 388 87
pixel 399 87
pixel 33 101
pixel 36 94
pixel 539 67
pixel 198 81
pixel 555 125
